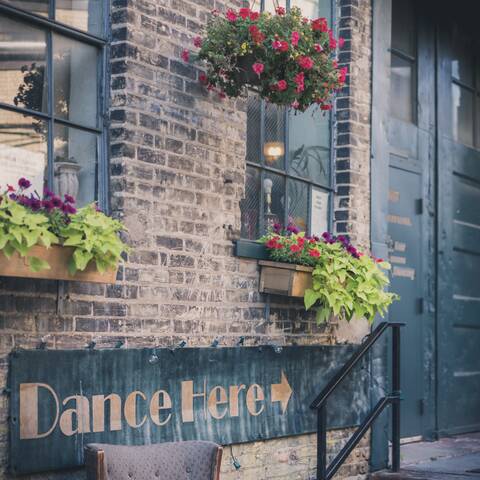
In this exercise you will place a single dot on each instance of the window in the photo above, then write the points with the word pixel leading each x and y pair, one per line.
pixel 465 91
pixel 403 82
pixel 52 65
pixel 289 174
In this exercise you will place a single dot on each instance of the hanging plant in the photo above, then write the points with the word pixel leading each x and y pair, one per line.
pixel 286 58
pixel 345 282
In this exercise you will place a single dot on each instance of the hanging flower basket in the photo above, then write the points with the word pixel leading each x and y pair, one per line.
pixel 49 238
pixel 286 58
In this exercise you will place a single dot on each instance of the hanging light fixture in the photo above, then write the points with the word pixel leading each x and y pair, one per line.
pixel 272 151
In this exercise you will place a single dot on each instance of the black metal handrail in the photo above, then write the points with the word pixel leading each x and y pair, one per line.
pixel 326 472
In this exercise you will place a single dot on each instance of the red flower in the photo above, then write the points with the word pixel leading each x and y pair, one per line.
pixel 379 260
pixel 185 55
pixel 221 95
pixel 341 42
pixel 295 104
pixel 314 253
pixel 305 62
pixel 343 74
pixel 258 68
pixel 254 16
pixel 295 248
pixel 244 12
pixel 282 85
pixel 332 43
pixel 231 16
pixel 299 80
pixel 280 45
pixel 318 48
pixel 197 41
pixel 10 188
pixel 272 243
pixel 320 24
pixel 325 107
pixel 295 38
pixel 257 36
pixel 202 78
pixel 280 11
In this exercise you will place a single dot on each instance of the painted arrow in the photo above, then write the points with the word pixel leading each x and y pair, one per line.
pixel 281 392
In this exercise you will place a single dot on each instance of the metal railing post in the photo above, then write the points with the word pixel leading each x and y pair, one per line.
pixel 322 442
pixel 396 392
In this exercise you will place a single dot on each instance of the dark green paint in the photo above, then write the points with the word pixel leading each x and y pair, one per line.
pixel 94 372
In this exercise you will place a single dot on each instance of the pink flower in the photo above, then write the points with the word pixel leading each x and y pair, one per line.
pixel 10 188
pixel 299 79
pixel 305 62
pixel 258 68
pixel 221 95
pixel 280 11
pixel 341 42
pixel 314 253
pixel 295 248
pixel 215 12
pixel 197 41
pixel 320 24
pixel 244 13
pixel 202 78
pixel 343 74
pixel 295 38
pixel 280 45
pixel 254 16
pixel 318 48
pixel 231 16
pixel 185 55
pixel 282 85
pixel 295 104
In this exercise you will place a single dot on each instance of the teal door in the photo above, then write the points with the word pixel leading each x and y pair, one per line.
pixel 409 162
pixel 458 348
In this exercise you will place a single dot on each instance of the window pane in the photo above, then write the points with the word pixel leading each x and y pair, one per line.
pixel 462 60
pixel 76 80
pixel 274 146
pixel 462 110
pixel 40 7
pixel 75 163
pixel 85 15
pixel 403 26
pixel 298 204
pixel 274 199
pixel 402 91
pixel 319 208
pixel 22 65
pixel 309 140
pixel 250 205
pixel 23 143
pixel 254 150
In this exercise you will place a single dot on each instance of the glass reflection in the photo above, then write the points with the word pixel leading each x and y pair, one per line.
pixel 23 143
pixel 22 65
pixel 250 204
pixel 75 68
pixel 75 163
pixel 298 204
pixel 309 140
pixel 39 7
pixel 85 15
pixel 462 110
pixel 402 89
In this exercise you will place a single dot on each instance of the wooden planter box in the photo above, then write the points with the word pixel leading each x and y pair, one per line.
pixel 58 258
pixel 284 278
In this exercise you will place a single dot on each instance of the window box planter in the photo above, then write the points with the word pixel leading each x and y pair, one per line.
pixel 284 278
pixel 58 258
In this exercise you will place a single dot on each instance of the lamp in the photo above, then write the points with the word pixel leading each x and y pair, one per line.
pixel 272 151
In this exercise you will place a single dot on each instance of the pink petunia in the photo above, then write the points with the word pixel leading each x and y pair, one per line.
pixel 258 68
pixel 282 85
pixel 295 38
pixel 305 62
pixel 280 45
pixel 280 11
pixel 197 41
pixel 254 16
pixel 231 16
pixel 185 55
pixel 244 13
pixel 318 48
pixel 320 24
pixel 295 104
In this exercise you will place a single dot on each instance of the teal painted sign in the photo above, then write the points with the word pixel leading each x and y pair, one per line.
pixel 62 400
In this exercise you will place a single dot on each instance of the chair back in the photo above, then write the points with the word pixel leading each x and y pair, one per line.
pixel 192 460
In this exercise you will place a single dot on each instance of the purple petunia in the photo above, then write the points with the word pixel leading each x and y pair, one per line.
pixel 293 229
pixel 68 209
pixel 47 193
pixel 57 201
pixel 69 198
pixel 277 227
pixel 24 183
pixel 48 205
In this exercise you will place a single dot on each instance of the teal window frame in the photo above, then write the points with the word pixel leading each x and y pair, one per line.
pixel 50 26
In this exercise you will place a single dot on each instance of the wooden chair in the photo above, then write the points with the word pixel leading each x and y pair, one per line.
pixel 193 460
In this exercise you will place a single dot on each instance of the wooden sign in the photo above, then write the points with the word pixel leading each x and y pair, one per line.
pixel 62 400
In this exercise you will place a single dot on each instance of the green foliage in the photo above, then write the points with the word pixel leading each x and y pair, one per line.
pixel 94 237
pixel 345 282
pixel 21 229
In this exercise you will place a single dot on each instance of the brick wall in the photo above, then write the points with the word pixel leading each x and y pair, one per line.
pixel 177 176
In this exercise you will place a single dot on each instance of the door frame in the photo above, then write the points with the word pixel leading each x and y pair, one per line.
pixel 381 38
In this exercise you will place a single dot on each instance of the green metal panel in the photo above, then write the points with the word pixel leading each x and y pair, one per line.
pixel 458 256
pixel 242 394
